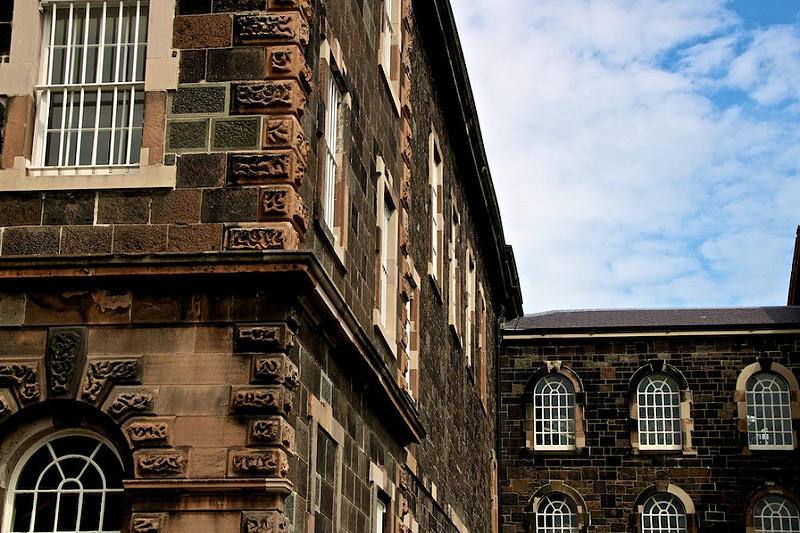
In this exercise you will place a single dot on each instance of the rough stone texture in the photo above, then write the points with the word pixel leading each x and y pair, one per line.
pixel 20 209
pixel 193 7
pixel 229 205
pixel 719 478
pixel 199 99
pixel 202 31
pixel 239 5
pixel 68 208
pixel 20 113
pixel 235 134
pixel 271 97
pixel 31 240
pixel 155 108
pixel 201 170
pixel 181 206
pixel 195 238
pixel 86 240
pixel 271 28
pixel 187 135
pixel 123 207
pixel 139 239
pixel 192 66
pixel 226 64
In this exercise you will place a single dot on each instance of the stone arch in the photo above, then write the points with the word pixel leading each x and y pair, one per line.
pixel 760 493
pixel 740 395
pixel 548 369
pixel 673 490
pixel 557 487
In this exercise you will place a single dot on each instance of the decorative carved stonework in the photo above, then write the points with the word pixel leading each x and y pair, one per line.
pixel 289 28
pixel 283 166
pixel 282 203
pixel 274 236
pixel 264 522
pixel 288 62
pixel 262 400
pixel 148 431
pixel 266 463
pixel 275 369
pixel 273 431
pixel 269 337
pixel 269 97
pixel 101 373
pixel 124 403
pixel 304 6
pixel 286 132
pixel 24 377
pixel 148 523
pixel 65 357
pixel 161 463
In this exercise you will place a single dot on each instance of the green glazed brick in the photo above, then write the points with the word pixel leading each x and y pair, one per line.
pixel 187 135
pixel 236 133
pixel 203 99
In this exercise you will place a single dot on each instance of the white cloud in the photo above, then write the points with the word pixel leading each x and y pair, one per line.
pixel 622 180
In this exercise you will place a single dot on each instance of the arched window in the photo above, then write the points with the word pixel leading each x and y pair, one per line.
pixel 769 412
pixel 659 410
pixel 775 513
pixel 70 482
pixel 663 513
pixel 557 513
pixel 554 413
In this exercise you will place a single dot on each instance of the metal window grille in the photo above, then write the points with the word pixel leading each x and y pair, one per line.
pixel 769 412
pixel 91 101
pixel 557 514
pixel 663 513
pixel 554 413
pixel 659 404
pixel 776 514
pixel 71 483
pixel 331 141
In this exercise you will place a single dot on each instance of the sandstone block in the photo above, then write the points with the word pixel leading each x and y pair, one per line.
pixel 202 31
pixel 274 236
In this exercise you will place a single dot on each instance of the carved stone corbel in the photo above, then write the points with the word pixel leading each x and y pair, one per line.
pixel 160 463
pixel 275 369
pixel 273 431
pixel 271 463
pixel 102 372
pixel 149 431
pixel 23 377
pixel 264 522
pixel 267 400
pixel 64 360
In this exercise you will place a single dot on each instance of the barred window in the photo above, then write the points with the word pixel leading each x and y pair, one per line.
pixel 776 514
pixel 769 413
pixel 554 413
pixel 663 513
pixel 69 483
pixel 659 405
pixel 91 101
pixel 557 513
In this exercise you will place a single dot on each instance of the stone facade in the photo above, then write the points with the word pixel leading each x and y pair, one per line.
pixel 605 469
pixel 258 362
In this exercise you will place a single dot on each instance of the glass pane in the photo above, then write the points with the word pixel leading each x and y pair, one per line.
pixel 68 512
pixel 23 506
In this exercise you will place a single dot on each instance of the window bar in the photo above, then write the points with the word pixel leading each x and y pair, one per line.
pixel 83 83
pixel 65 68
pixel 115 98
pixel 101 49
pixel 132 77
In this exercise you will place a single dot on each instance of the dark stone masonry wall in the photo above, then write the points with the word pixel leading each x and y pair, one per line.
pixel 720 474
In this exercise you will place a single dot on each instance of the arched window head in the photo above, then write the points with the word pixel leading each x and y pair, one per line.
pixel 554 413
pixel 70 482
pixel 663 513
pixel 769 412
pixel 659 410
pixel 557 513
pixel 775 513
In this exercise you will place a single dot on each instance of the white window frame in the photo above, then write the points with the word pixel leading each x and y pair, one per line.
pixel 387 287
pixel 557 513
pixel 435 177
pixel 389 48
pixel 663 513
pixel 658 400
pixel 554 413
pixel 769 412
pixel 469 307
pixel 774 511
pixel 333 102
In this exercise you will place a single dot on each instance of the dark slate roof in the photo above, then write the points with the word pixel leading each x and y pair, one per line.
pixel 587 321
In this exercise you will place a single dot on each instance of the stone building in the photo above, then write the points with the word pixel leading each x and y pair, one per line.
pixel 675 420
pixel 251 268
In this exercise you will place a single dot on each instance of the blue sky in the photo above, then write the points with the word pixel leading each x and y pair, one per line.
pixel 645 153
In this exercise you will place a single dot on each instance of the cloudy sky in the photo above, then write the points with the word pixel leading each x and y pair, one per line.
pixel 645 153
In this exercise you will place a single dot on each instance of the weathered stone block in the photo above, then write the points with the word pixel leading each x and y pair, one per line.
pixel 195 238
pixel 272 28
pixel 288 62
pixel 229 205
pixel 260 463
pixel 125 402
pixel 140 239
pixel 179 206
pixel 275 236
pixel 192 7
pixel 280 203
pixel 201 170
pixel 202 31
pixel 23 377
pixel 101 373
pixel 264 522
pixel 286 132
pixel 221 6
pixel 149 431
pixel 273 431
pixel 12 309
pixel 64 360
pixel 68 208
pixel 199 99
pixel 192 66
pixel 27 240
pixel 155 111
pixel 119 207
pixel 160 463
pixel 269 97
pixel 262 400
pixel 284 166
pixel 20 209
pixel 187 135
pixel 270 337
pixel 235 133
pixel 275 369
pixel 304 6
pixel 226 64
pixel 148 522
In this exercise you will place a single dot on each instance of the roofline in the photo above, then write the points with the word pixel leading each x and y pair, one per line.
pixel 437 24
pixel 630 333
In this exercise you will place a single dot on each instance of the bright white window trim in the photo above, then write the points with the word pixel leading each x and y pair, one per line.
pixel 663 513
pixel 435 179
pixel 334 100
pixel 557 513
pixel 554 413
pixel 385 313
pixel 469 308
pixel 659 405
pixel 769 413
pixel 775 513
pixel 66 479
pixel 455 278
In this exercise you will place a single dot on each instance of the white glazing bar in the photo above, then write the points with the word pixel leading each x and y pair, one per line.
pixel 101 49
pixel 132 77
pixel 114 100
pixel 65 69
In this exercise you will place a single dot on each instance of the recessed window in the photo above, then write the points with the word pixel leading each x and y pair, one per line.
pixel 557 513
pixel 659 409
pixel 69 483
pixel 663 513
pixel 776 514
pixel 769 413
pixel 436 210
pixel 331 146
pixel 554 413
pixel 91 101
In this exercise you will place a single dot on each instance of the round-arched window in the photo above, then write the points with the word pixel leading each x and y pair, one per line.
pixel 659 402
pixel 663 513
pixel 557 513
pixel 769 412
pixel 71 483
pixel 554 413
pixel 776 514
